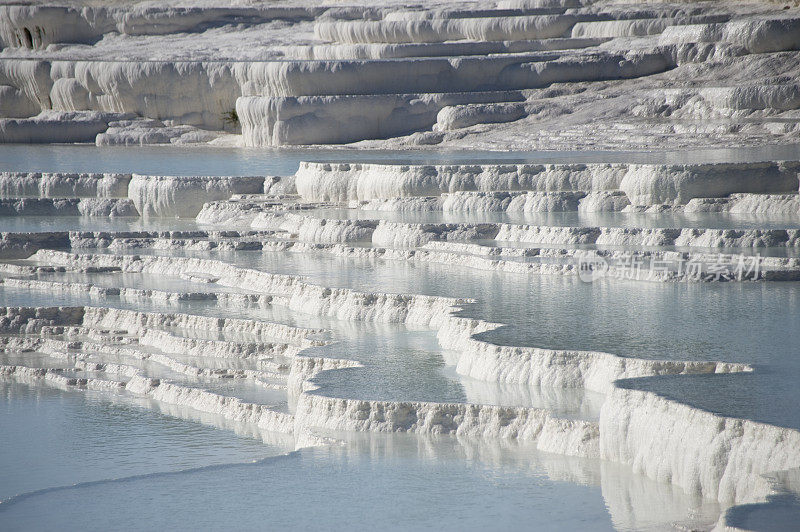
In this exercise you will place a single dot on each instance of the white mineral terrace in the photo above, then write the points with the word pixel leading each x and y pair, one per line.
pixel 595 328
pixel 475 74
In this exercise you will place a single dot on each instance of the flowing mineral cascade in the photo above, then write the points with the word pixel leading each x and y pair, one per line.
pixel 486 264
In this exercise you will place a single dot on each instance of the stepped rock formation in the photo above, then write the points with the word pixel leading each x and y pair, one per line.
pixel 588 305
pixel 445 74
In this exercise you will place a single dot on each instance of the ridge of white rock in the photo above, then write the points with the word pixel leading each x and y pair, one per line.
pixel 543 261
pixel 401 50
pixel 594 371
pixel 142 132
pixel 621 28
pixel 643 184
pixel 570 437
pixel 54 377
pixel 185 196
pixel 133 321
pixel 84 94
pixel 63 185
pixel 58 126
pixel 510 202
pixel 228 213
pixel 372 83
pixel 73 86
pixel 722 458
pixel 345 182
pixel 230 408
pixel 477 359
pixel 199 347
pixel 479 29
pixel 763 204
pixel 577 438
pixel 624 236
pixel 476 420
pixel 24 244
pixel 759 35
pixel 33 319
pixel 266 214
pixel 84 354
pixel 67 207
pixel 37 26
pixel 453 117
pixel 138 294
pixel 14 245
pixel 546 260
pixel 339 303
pixel 106 194
pixel 384 233
pixel 337 119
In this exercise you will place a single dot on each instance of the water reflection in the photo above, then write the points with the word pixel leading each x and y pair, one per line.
pixel 207 160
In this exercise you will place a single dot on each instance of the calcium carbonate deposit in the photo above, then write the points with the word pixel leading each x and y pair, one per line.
pixel 544 274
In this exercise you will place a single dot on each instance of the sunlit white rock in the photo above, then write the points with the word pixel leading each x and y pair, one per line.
pixel 63 185
pixel 185 196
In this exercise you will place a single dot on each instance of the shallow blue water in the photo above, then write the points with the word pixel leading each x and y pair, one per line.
pixel 321 490
pixel 54 438
pixel 753 323
pixel 174 467
pixel 395 482
pixel 37 224
pixel 204 160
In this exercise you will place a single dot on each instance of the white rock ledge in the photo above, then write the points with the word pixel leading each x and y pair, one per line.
pixel 643 184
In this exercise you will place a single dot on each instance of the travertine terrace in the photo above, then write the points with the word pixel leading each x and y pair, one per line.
pixel 583 301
